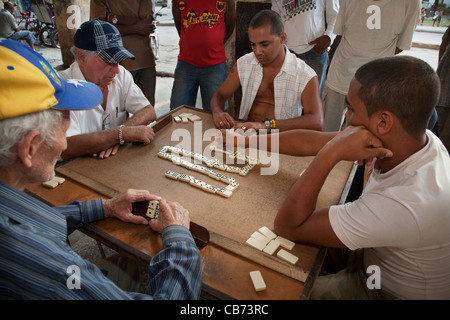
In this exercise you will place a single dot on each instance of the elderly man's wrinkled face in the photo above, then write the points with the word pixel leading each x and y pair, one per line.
pixel 98 71
pixel 47 154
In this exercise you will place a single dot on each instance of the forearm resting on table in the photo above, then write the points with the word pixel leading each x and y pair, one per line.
pixel 306 121
pixel 294 142
pixel 142 117
pixel 83 144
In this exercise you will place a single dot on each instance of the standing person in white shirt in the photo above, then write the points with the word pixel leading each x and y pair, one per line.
pixel 309 27
pixel 279 91
pixel 101 130
pixel 370 29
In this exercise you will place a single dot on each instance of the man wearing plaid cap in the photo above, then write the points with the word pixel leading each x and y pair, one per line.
pixel 101 130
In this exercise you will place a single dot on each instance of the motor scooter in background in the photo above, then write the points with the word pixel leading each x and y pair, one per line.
pixel 154 41
pixel 48 34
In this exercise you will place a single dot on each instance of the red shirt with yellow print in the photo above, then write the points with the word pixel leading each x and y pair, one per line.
pixel 202 32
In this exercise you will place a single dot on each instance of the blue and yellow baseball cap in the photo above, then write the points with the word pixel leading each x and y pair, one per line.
pixel 29 84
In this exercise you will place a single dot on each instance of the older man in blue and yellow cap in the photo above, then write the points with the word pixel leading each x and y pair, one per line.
pixel 35 260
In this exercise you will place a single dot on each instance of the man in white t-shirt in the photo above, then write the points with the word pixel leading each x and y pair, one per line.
pixel 402 219
pixel 370 29
pixel 398 228
pixel 101 130
pixel 309 27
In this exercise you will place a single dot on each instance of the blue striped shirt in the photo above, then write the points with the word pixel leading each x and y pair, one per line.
pixel 37 263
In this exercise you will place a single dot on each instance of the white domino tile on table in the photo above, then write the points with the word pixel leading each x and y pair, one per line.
pixel 257 280
pixel 267 232
pixel 285 243
pixel 271 247
pixel 53 183
pixel 289 257
pixel 256 243
pixel 260 237
pixel 50 184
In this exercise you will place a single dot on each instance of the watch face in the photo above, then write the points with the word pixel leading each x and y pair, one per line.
pixel 114 20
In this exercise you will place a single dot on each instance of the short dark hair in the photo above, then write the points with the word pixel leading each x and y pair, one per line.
pixel 406 86
pixel 268 17
pixel 8 5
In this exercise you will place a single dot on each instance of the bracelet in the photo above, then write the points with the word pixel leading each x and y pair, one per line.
pixel 272 124
pixel 121 141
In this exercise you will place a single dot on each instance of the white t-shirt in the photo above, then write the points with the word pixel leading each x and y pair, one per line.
pixel 402 220
pixel 8 24
pixel 124 97
pixel 288 85
pixel 305 21
pixel 359 44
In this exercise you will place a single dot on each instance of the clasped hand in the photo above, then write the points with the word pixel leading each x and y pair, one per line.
pixel 170 213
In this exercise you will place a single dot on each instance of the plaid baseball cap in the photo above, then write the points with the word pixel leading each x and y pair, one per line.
pixel 103 38
pixel 29 84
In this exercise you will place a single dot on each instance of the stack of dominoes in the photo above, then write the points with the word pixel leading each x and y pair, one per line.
pixel 186 117
pixel 53 183
pixel 267 241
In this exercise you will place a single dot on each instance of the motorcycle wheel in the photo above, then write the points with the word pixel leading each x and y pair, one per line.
pixel 45 36
pixel 54 39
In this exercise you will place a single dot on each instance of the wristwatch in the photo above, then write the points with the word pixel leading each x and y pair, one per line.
pixel 266 122
pixel 114 19
pixel 121 141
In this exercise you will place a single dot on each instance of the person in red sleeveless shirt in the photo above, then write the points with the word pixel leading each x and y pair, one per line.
pixel 204 26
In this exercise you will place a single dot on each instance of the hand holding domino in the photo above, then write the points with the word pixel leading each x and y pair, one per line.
pixel 123 206
pixel 169 213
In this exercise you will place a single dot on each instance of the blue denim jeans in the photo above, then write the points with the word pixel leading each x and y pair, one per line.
pixel 188 78
pixel 28 36
pixel 319 62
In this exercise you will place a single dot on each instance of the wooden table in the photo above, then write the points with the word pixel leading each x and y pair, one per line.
pixel 225 270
